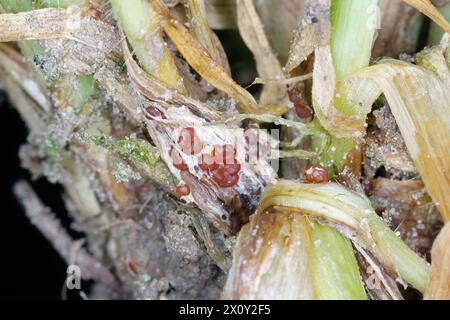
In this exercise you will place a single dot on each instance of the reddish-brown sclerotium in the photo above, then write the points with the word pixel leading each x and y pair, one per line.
pixel 303 110
pixel 223 178
pixel 233 168
pixel 132 264
pixel 222 165
pixel 189 141
pixel 316 174
pixel 183 190
pixel 153 113
pixel 177 160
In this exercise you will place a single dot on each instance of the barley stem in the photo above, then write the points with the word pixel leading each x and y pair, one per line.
pixel 335 271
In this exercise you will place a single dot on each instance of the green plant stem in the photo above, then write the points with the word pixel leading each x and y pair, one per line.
pixel 353 32
pixel 335 270
pixel 352 35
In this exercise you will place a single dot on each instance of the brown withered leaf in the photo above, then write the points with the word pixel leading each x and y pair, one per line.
pixel 200 61
pixel 439 281
pixel 203 33
pixel 272 259
pixel 274 95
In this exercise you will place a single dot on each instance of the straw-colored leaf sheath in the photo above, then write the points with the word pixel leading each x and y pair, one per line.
pixel 196 56
pixel 419 100
pixel 353 215
pixel 327 92
pixel 271 259
pixel 439 283
pixel 335 269
pixel 203 33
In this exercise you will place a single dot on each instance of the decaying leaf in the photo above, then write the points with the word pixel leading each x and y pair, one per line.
pixel 203 33
pixel 202 62
pixel 353 215
pixel 205 193
pixel 40 24
pixel 385 148
pixel 221 14
pixel 155 91
pixel 397 191
pixel 272 259
pixel 439 281
pixel 314 31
